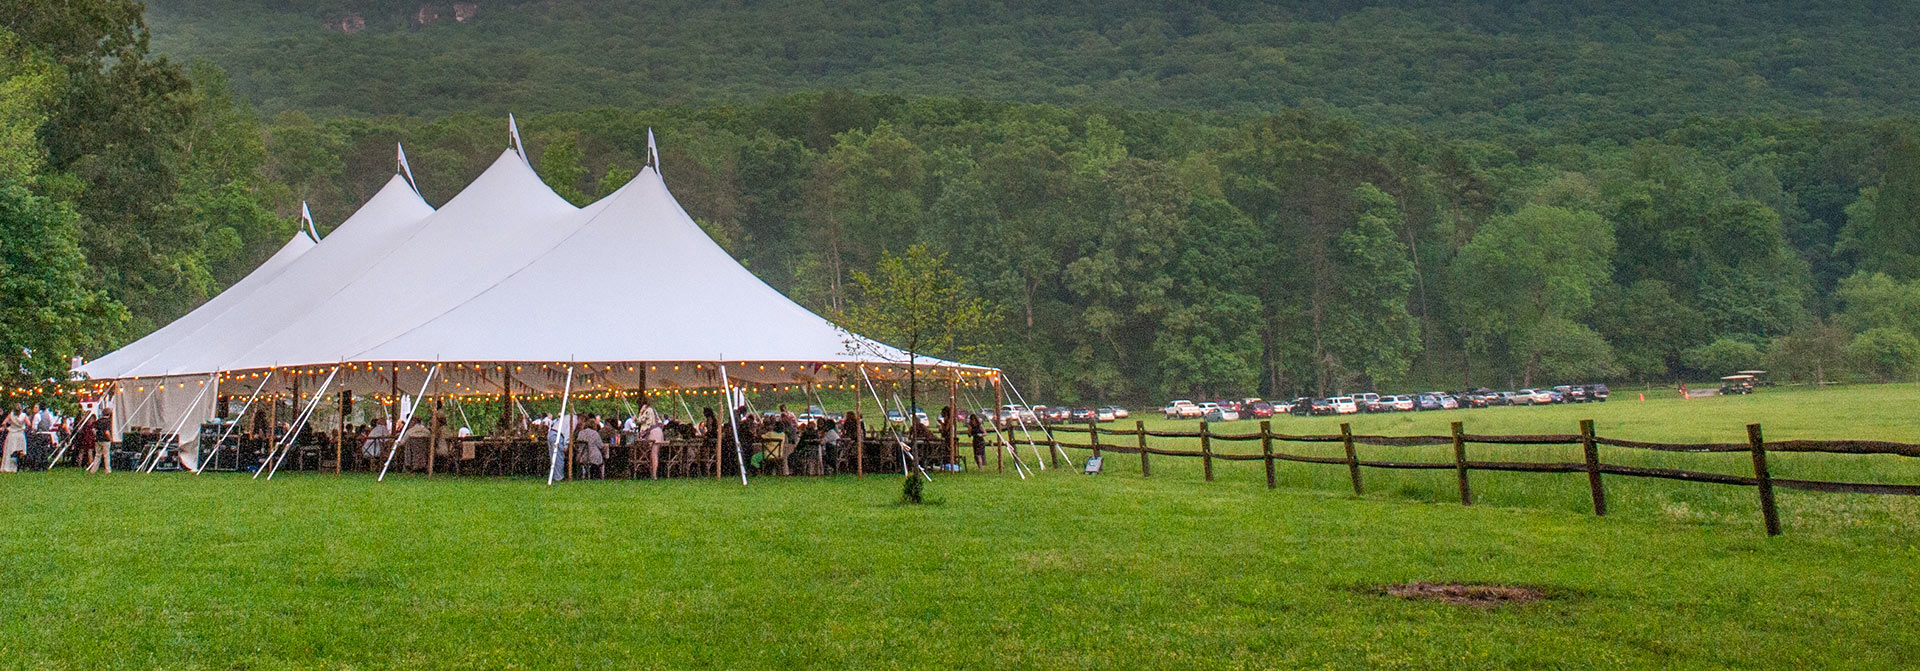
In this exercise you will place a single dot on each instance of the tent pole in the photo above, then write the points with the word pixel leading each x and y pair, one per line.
pixel 953 419
pixel 860 436
pixel 293 430
pixel 229 429
pixel 397 435
pixel 999 462
pixel 340 431
pixel 393 398
pixel 1006 446
pixel 733 422
pixel 159 450
pixel 553 450
pixel 506 394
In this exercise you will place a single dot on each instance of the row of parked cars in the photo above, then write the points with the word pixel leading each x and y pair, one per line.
pixel 1254 408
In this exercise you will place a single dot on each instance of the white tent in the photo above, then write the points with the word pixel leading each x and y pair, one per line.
pixel 117 363
pixel 505 218
pixel 638 280
pixel 239 315
pixel 390 216
pixel 508 276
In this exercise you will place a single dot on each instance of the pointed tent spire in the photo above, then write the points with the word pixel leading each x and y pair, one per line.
pixel 513 128
pixel 306 222
pixel 407 170
pixel 653 152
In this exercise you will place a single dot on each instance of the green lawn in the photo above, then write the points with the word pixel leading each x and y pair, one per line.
pixel 1061 571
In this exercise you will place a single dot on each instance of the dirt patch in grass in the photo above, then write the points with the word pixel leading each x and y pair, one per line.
pixel 1484 597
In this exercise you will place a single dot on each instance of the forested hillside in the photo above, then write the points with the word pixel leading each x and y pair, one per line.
pixel 1475 67
pixel 1237 199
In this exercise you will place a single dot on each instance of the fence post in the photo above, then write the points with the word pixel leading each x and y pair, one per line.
pixel 1140 429
pixel 1266 448
pixel 1054 442
pixel 1353 458
pixel 1764 478
pixel 1093 436
pixel 1593 467
pixel 1460 463
pixel 1206 450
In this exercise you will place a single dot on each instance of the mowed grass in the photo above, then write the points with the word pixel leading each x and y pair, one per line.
pixel 1059 571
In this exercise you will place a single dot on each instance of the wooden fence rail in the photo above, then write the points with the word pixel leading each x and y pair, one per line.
pixel 1462 465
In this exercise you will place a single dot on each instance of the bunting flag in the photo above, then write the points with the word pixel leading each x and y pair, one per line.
pixel 400 151
pixel 513 128
pixel 306 222
pixel 653 152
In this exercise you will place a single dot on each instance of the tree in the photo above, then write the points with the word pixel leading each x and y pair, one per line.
pixel 1870 300
pixel 1525 278
pixel 560 168
pixel 52 310
pixel 1369 331
pixel 1883 233
pixel 1814 353
pixel 1723 356
pixel 915 301
pixel 1887 354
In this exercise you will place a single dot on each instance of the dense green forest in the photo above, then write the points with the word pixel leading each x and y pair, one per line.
pixel 1155 199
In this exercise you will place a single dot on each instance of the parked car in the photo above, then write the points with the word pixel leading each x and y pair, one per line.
pixel 1405 403
pixel 1183 409
pixel 1319 406
pixel 1106 414
pixel 1082 415
pixel 1343 405
pixel 1256 408
pixel 1427 402
pixel 1477 401
pixel 1119 412
pixel 1230 405
pixel 1362 400
pixel 1447 401
pixel 1531 397
pixel 1573 393
pixel 1014 414
pixel 1599 392
pixel 1382 404
pixel 1298 406
pixel 1058 414
pixel 1500 398
pixel 1214 412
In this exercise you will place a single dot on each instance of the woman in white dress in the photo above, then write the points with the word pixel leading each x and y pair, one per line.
pixel 16 442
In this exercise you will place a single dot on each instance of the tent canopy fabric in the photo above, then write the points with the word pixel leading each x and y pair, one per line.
pixel 118 363
pixel 390 216
pixel 508 280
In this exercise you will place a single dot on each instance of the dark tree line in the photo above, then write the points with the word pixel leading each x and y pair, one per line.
pixel 1129 250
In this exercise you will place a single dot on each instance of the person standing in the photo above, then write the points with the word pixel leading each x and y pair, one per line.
pixel 979 440
pixel 86 441
pixel 16 426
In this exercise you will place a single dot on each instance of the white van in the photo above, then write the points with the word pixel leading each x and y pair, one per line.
pixel 1344 405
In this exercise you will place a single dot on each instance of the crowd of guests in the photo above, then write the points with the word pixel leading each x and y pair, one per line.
pixel 35 434
pixel 782 440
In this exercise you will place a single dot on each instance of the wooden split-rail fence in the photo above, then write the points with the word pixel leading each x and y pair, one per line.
pixel 1463 465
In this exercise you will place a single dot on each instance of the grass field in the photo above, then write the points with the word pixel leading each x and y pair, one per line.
pixel 1061 571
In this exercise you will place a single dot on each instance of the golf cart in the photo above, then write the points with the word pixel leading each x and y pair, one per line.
pixel 1736 384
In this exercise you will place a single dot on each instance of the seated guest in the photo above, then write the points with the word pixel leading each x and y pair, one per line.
pixel 416 439
pixel 376 443
pixel 593 457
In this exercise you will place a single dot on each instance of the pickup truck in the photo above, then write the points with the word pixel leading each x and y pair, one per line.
pixel 1183 409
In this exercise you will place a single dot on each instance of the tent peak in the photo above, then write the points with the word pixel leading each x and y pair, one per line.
pixel 653 151
pixel 513 130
